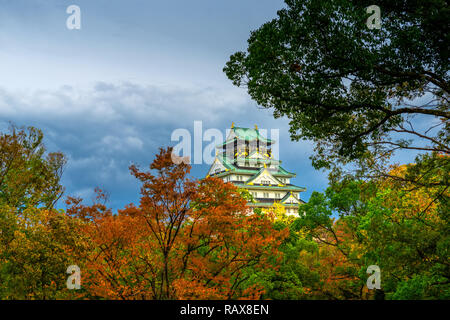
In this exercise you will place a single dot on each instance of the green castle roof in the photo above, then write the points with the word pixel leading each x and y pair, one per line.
pixel 258 174
pixel 287 196
pixel 282 188
pixel 247 134
pixel 233 168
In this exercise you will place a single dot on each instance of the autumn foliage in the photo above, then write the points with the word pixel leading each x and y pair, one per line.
pixel 187 239
pixel 198 239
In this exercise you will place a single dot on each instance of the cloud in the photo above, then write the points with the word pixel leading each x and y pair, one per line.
pixel 107 126
pixel 107 103
pixel 112 143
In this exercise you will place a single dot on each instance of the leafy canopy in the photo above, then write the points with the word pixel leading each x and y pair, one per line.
pixel 29 177
pixel 357 92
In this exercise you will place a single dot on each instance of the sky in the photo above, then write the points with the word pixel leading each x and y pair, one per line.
pixel 111 93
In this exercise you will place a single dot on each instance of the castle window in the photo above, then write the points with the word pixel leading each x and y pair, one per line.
pixel 265 194
pixel 277 195
pixel 265 181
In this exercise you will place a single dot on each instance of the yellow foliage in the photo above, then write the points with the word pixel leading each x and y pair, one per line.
pixel 279 212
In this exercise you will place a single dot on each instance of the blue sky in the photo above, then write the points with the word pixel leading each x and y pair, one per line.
pixel 110 94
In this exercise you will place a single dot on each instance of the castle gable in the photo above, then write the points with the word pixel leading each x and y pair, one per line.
pixel 289 198
pixel 217 167
pixel 264 177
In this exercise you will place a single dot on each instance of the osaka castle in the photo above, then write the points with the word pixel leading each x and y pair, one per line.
pixel 245 159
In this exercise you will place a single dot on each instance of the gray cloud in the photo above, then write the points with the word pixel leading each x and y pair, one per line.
pixel 106 127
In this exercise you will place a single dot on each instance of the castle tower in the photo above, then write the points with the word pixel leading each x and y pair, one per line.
pixel 245 159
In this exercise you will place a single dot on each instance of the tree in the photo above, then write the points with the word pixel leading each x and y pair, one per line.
pixel 399 226
pixel 28 178
pixel 359 93
pixel 294 277
pixel 36 247
pixel 34 237
pixel 407 229
pixel 187 239
pixel 339 261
